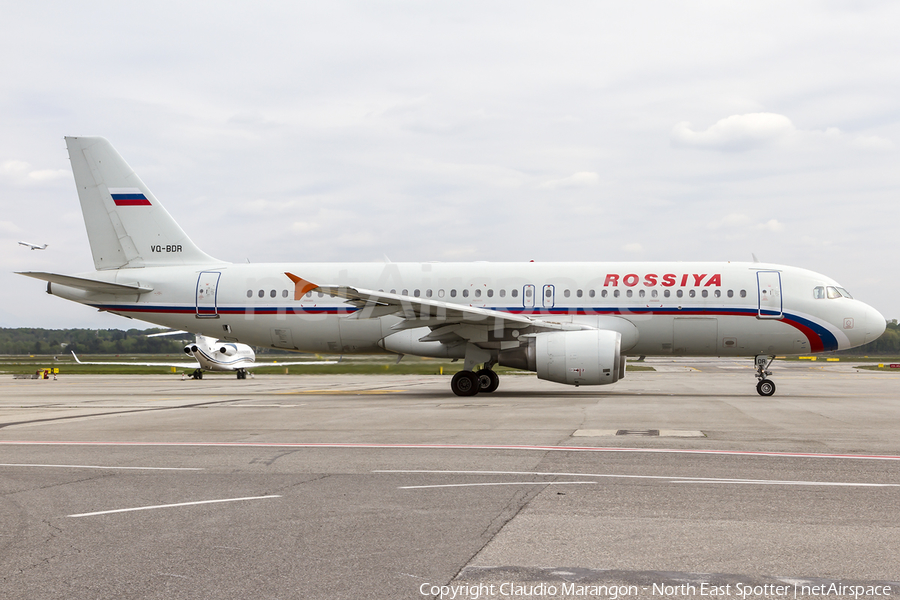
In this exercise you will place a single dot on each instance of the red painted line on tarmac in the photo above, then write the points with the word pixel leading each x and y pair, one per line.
pixel 457 447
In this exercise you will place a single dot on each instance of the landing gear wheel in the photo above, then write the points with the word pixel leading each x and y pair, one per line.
pixel 465 383
pixel 241 374
pixel 765 387
pixel 488 381
pixel 197 374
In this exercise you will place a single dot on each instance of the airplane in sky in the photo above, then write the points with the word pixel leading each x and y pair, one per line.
pixel 33 246
pixel 211 354
pixel 572 323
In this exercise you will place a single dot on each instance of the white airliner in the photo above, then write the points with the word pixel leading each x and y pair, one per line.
pixel 34 246
pixel 211 354
pixel 572 323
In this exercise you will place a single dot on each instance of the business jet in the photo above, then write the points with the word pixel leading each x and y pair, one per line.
pixel 211 354
pixel 571 323
pixel 33 246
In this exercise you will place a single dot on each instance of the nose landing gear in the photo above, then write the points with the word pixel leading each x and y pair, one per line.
pixel 765 386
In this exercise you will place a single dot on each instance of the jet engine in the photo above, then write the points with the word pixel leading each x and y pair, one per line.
pixel 586 357
pixel 228 350
pixel 190 349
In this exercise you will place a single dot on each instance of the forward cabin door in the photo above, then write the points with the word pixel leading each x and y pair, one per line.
pixel 771 304
pixel 528 296
pixel 207 287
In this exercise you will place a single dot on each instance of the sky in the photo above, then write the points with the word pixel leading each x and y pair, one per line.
pixel 456 131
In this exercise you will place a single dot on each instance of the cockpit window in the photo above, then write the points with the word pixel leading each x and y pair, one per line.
pixel 844 293
pixel 832 292
pixel 819 292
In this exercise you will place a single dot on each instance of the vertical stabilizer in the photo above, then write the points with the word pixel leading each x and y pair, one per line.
pixel 126 224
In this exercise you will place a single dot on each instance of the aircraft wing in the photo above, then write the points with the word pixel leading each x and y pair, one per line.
pixel 256 365
pixel 467 322
pixel 186 365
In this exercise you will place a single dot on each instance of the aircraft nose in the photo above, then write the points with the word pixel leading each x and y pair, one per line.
pixel 875 324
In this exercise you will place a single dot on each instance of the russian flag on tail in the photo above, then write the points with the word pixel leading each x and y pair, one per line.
pixel 128 197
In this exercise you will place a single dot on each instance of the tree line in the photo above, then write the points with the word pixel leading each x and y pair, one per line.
pixel 88 341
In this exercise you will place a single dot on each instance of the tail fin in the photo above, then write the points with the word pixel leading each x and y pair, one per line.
pixel 126 224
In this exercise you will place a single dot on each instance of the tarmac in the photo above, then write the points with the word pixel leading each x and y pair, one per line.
pixel 682 482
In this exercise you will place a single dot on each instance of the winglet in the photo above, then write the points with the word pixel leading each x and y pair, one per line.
pixel 301 286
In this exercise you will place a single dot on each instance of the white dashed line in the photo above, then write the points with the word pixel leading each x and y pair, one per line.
pixel 121 510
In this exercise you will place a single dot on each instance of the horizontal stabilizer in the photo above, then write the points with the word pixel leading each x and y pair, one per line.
pixel 89 285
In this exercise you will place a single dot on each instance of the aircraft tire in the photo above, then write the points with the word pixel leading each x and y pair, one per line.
pixel 488 381
pixel 464 383
pixel 765 387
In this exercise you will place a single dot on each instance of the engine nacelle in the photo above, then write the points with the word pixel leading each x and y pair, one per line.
pixel 587 357
pixel 228 350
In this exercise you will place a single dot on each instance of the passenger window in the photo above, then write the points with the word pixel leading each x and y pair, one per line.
pixel 567 293
pixel 528 292
pixel 440 293
pixel 405 292
pixel 284 293
pixel 514 293
pixel 592 293
pixel 679 293
pixel 705 293
pixel 615 293
pixel 503 293
pixel 490 293
pixel 743 293
pixel 629 293
pixel 393 291
pixel 249 293
pixel 477 292
pixel 548 292
pixel 309 294
pixel 465 293
pixel 667 293
pixel 692 293
pixel 819 292
pixel 641 294
pixel 321 295
pixel 731 293
pixel 603 293
pixel 416 293
pixel 262 293
pixel 832 292
pixel 654 293
pixel 428 293
pixel 579 293
pixel 453 293
pixel 718 293
pixel 272 294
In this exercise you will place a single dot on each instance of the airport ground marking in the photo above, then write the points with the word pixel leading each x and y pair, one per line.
pixel 379 446
pixel 122 510
pixel 493 483
pixel 670 478
pixel 103 467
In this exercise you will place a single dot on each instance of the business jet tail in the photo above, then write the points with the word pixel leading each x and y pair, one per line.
pixel 126 225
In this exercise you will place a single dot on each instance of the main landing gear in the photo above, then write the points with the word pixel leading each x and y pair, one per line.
pixel 468 383
pixel 242 373
pixel 765 386
pixel 197 374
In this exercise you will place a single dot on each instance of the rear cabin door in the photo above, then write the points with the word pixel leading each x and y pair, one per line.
pixel 771 305
pixel 207 286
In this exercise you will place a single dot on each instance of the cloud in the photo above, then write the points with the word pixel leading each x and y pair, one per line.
pixel 735 133
pixel 579 179
pixel 771 225
pixel 732 220
pixel 20 171
pixel 633 247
